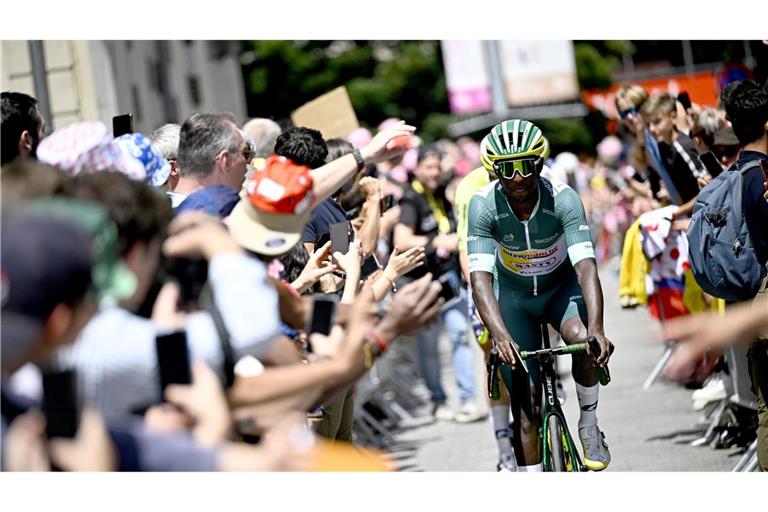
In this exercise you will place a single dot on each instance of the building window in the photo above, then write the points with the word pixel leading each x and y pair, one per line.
pixel 194 90
pixel 136 103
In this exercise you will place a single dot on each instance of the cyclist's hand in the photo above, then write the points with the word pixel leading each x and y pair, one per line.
pixel 606 349
pixel 507 352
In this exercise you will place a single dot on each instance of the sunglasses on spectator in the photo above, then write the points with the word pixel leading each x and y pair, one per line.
pixel 507 168
pixel 625 113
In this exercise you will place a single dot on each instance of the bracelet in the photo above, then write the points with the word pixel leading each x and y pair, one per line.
pixel 367 356
pixel 394 286
pixel 376 337
pixel 359 159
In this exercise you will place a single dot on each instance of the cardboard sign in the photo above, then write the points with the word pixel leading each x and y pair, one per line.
pixel 331 113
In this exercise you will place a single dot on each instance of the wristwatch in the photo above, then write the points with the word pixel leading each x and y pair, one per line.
pixel 359 159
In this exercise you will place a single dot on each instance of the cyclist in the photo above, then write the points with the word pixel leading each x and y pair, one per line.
pixel 500 420
pixel 530 258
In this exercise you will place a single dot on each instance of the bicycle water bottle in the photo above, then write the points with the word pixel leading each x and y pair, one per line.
pixel 494 393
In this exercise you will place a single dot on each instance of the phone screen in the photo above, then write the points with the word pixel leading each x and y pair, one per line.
pixel 709 160
pixel 340 237
pixel 122 124
pixel 60 403
pixel 173 359
pixel 369 266
pixel 323 310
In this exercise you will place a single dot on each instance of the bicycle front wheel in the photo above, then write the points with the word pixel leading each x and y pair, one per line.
pixel 556 459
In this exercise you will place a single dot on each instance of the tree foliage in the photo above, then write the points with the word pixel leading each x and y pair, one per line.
pixel 403 79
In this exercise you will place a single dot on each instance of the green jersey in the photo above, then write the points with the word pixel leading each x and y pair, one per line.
pixel 533 255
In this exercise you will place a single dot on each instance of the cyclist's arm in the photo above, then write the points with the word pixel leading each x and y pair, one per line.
pixel 481 249
pixel 582 255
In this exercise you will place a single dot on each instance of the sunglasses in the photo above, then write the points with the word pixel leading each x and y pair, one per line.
pixel 525 167
pixel 625 113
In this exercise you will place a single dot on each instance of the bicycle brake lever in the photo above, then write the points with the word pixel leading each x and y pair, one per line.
pixel 603 374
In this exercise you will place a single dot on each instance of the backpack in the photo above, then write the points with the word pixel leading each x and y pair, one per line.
pixel 720 250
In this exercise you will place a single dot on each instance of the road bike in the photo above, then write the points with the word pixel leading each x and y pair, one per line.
pixel 559 451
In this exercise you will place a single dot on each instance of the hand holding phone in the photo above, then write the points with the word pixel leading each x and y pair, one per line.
pixel 339 237
pixel 173 359
pixel 61 404
pixel 322 316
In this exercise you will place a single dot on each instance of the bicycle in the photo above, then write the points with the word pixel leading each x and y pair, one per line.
pixel 559 451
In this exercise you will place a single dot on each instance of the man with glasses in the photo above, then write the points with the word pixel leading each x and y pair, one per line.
pixel 531 261
pixel 213 155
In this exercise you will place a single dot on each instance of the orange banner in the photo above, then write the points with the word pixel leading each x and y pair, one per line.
pixel 702 88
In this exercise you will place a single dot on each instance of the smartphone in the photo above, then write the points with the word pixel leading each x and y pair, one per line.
pixel 387 202
pixel 685 100
pixel 340 237
pixel 709 160
pixel 173 359
pixel 449 286
pixel 322 316
pixel 61 404
pixel 764 168
pixel 369 266
pixel 122 124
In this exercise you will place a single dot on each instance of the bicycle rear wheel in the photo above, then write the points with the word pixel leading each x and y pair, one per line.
pixel 556 459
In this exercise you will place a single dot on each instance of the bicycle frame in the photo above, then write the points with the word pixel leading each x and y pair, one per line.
pixel 550 404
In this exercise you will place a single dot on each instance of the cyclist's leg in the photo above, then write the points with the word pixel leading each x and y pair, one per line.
pixel 524 329
pixel 567 310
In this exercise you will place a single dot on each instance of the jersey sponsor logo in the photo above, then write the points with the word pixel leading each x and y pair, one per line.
pixel 533 262
pixel 471 239
pixel 509 237
pixel 548 212
pixel 583 228
pixel 501 216
pixel 548 239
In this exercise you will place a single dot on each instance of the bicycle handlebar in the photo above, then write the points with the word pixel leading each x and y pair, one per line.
pixel 494 361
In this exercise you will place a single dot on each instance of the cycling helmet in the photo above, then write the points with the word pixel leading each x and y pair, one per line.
pixel 516 139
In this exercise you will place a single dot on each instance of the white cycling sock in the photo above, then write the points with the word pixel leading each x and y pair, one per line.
pixel 500 423
pixel 588 404
pixel 536 468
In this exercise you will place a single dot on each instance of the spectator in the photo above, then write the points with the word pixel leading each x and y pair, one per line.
pixel 306 146
pixel 137 146
pixel 116 351
pixel 22 126
pixel 88 147
pixel 676 149
pixel 427 220
pixel 165 140
pixel 264 133
pixel 212 153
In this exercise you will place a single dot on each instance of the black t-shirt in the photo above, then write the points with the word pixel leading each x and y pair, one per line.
pixel 682 161
pixel 416 214
pixel 326 213
pixel 754 205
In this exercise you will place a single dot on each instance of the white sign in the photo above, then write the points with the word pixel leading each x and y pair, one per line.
pixel 538 72
pixel 469 89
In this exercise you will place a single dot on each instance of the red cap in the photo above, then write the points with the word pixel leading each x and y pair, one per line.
pixel 282 187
